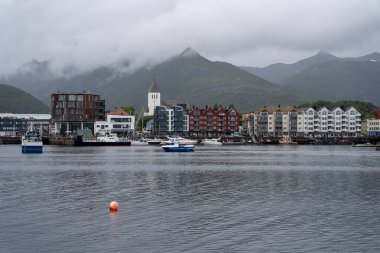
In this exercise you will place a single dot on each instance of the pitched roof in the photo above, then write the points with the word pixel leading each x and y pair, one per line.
pixel 282 108
pixel 154 87
pixel 118 112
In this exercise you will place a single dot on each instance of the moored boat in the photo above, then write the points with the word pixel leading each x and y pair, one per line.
pixel 104 140
pixel 287 140
pixel 212 142
pixel 154 141
pixel 180 140
pixel 140 142
pixel 31 142
pixel 365 145
pixel 176 147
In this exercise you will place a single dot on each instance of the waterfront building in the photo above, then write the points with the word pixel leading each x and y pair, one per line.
pixel 76 111
pixel 17 124
pixel 154 98
pixel 117 121
pixel 210 122
pixel 373 127
pixel 288 121
pixel 170 120
pixel 275 121
pixel 323 122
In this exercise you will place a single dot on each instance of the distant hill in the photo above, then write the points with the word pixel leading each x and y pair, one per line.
pixel 339 80
pixel 14 100
pixel 278 72
pixel 188 77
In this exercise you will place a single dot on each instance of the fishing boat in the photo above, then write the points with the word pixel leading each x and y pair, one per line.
pixel 176 147
pixel 212 142
pixel 31 142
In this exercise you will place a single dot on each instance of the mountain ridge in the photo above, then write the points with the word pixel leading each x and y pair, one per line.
pixel 186 77
pixel 278 72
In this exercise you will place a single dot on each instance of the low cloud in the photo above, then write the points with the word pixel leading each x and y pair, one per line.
pixel 90 33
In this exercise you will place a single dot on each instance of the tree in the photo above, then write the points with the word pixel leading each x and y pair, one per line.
pixel 216 106
pixel 129 109
pixel 146 119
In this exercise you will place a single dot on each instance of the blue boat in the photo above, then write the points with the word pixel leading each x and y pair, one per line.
pixel 175 147
pixel 31 142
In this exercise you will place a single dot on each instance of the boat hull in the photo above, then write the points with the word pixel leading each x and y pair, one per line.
pixel 101 143
pixel 178 149
pixel 36 149
pixel 154 142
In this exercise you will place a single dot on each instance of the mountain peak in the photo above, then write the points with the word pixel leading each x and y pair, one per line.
pixel 323 52
pixel 189 52
pixel 35 67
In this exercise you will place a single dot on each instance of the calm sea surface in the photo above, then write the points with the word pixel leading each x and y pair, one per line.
pixel 218 199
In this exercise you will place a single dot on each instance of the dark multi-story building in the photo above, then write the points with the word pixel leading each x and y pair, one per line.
pixel 170 120
pixel 210 122
pixel 76 111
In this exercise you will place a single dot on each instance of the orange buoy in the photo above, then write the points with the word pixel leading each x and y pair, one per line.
pixel 114 206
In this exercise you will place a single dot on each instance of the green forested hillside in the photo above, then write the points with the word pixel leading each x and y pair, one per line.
pixel 14 100
pixel 278 72
pixel 339 80
pixel 189 77
pixel 194 79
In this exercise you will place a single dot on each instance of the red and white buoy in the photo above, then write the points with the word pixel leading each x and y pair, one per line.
pixel 114 206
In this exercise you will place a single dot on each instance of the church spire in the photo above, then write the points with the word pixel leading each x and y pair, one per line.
pixel 154 88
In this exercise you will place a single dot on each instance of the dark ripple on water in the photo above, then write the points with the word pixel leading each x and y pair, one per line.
pixel 235 199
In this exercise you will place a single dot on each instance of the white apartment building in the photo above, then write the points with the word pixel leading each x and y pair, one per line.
pixel 287 120
pixel 334 123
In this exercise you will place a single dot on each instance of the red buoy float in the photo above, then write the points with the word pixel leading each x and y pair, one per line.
pixel 114 206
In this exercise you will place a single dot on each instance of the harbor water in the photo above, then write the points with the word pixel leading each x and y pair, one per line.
pixel 216 199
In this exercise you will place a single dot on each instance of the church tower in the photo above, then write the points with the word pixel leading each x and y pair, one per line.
pixel 154 98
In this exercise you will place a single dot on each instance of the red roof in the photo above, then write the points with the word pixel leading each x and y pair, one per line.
pixel 118 112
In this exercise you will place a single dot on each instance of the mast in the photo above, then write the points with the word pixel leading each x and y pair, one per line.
pixel 142 122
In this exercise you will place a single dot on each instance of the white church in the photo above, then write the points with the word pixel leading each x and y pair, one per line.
pixel 154 98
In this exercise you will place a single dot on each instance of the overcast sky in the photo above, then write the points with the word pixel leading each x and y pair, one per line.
pixel 89 33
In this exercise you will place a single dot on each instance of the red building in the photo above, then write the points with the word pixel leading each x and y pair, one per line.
pixel 213 121
pixel 378 113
